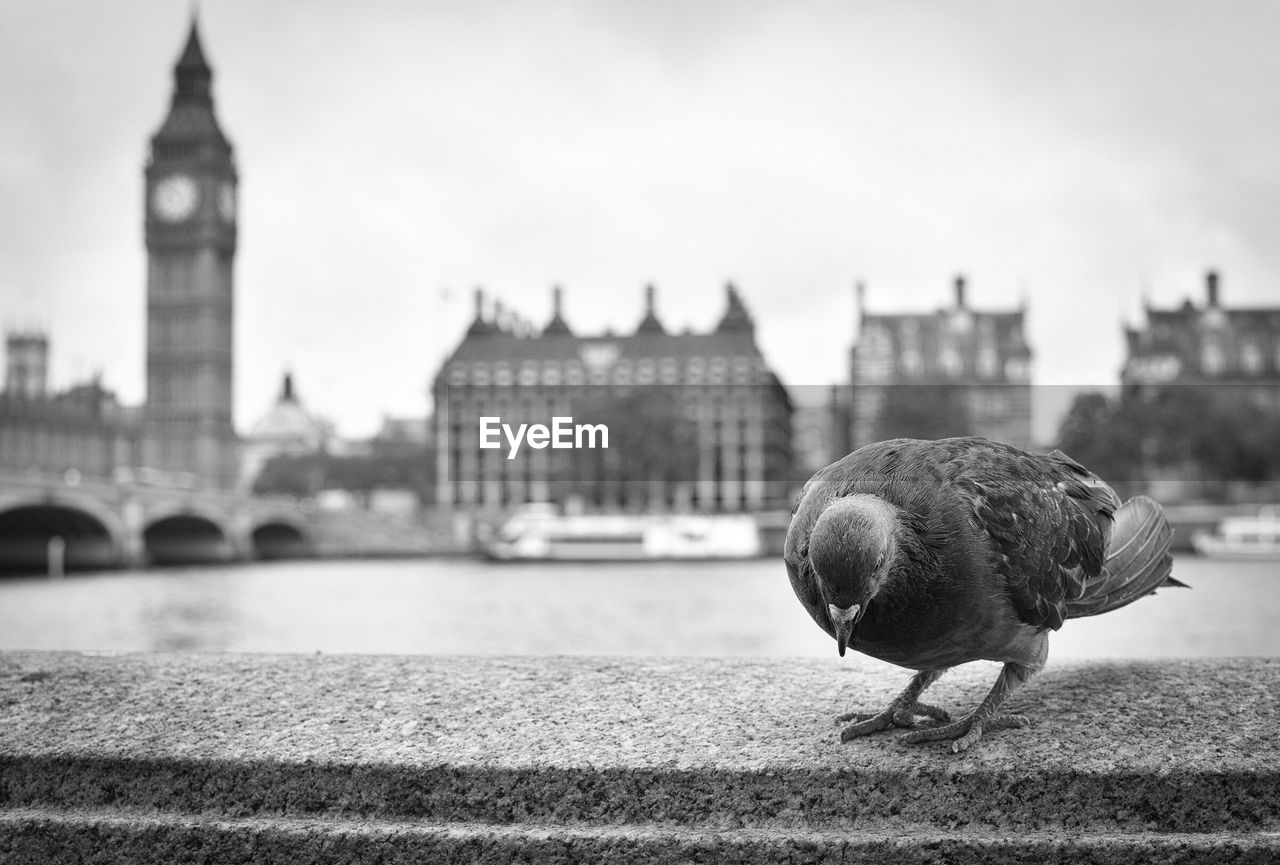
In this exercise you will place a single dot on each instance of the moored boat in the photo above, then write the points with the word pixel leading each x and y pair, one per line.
pixel 1244 537
pixel 638 537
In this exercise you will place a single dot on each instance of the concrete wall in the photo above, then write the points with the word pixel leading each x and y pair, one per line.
pixel 239 758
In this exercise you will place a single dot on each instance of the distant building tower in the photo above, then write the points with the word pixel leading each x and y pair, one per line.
pixel 190 220
pixel 288 429
pixel 966 371
pixel 1207 345
pixel 27 365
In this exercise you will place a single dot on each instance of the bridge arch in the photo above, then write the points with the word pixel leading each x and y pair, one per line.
pixel 187 538
pixel 275 538
pixel 35 534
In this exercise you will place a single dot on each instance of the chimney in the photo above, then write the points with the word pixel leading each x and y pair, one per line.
pixel 479 304
pixel 499 318
pixel 648 299
pixel 860 293
pixel 556 326
pixel 1211 283
pixel 959 292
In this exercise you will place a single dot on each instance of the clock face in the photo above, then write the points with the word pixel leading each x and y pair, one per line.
pixel 227 202
pixel 175 197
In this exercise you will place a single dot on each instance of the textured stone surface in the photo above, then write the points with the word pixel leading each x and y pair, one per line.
pixel 658 759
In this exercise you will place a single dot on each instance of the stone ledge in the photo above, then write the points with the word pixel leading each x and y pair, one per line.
pixel 32 836
pixel 621 751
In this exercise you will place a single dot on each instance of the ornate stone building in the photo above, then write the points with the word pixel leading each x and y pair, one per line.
pixel 973 366
pixel 1207 345
pixel 82 431
pixel 716 385
pixel 190 224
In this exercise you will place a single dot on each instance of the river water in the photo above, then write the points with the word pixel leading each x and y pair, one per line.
pixel 439 606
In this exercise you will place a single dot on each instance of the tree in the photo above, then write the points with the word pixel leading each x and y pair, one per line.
pixel 1208 433
pixel 1100 434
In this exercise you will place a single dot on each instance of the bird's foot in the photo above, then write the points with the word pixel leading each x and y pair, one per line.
pixel 966 731
pixel 899 714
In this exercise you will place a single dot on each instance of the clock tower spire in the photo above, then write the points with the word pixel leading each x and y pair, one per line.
pixel 190 227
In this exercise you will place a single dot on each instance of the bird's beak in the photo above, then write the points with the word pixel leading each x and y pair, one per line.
pixel 844 618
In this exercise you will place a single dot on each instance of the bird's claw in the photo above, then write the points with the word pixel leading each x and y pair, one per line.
pixel 897 715
pixel 966 731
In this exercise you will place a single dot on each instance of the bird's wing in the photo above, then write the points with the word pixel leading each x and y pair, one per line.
pixel 1049 521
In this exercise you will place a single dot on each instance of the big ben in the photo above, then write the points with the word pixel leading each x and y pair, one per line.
pixel 190 219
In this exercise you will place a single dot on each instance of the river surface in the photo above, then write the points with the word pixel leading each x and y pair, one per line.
pixel 439 606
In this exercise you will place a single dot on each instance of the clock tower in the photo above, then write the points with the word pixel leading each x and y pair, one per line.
pixel 190 220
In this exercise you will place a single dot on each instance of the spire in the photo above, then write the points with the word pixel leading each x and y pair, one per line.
pixel 192 76
pixel 650 323
pixel 191 118
pixel 557 324
pixel 736 317
pixel 286 389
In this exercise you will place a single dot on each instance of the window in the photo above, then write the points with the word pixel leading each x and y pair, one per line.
pixel 1251 358
pixel 1212 359
pixel 988 363
pixel 911 362
pixel 874 354
pixel 949 360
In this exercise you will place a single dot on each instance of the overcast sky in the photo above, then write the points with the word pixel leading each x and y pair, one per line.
pixel 393 156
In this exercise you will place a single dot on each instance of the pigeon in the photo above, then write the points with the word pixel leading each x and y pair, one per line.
pixel 930 554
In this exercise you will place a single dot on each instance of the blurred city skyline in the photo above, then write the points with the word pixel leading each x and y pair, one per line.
pixel 1074 156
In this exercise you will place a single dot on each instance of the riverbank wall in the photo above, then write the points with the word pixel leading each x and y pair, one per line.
pixel 256 758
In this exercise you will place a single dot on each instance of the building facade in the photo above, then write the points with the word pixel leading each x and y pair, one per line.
pixel 1207 345
pixel 81 432
pixel 190 227
pixel 969 369
pixel 713 388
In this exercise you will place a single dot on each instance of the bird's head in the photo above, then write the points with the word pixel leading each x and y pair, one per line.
pixel 852 548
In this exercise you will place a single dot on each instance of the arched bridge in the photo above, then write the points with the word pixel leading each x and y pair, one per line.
pixel 86 524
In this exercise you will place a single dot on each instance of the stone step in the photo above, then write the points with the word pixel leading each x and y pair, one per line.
pixel 686 759
pixel 807 798
pixel 114 836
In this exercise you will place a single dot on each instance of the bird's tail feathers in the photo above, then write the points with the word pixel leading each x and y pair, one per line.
pixel 1138 561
